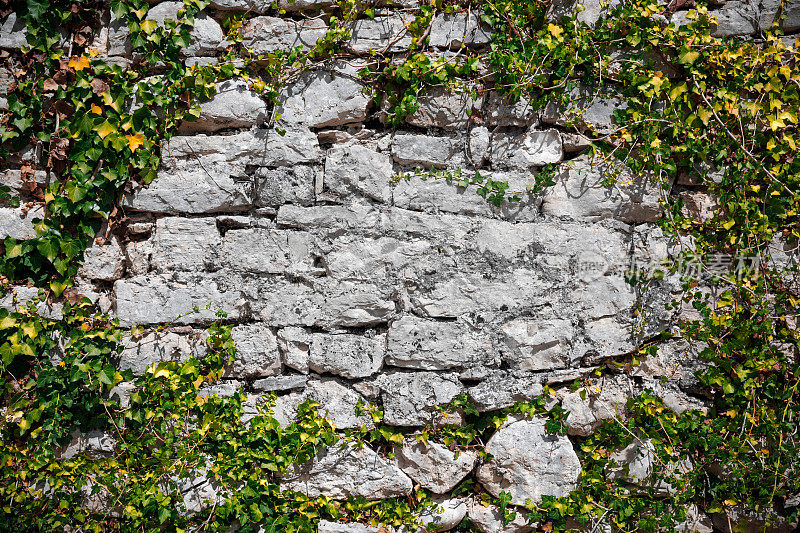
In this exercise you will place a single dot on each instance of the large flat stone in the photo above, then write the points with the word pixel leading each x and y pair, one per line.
pixel 412 399
pixel 205 37
pixel 17 223
pixel 458 29
pixel 528 463
pixel 441 109
pixel 285 185
pixel 381 34
pixel 427 151
pixel 154 347
pixel 269 34
pixel 188 244
pixel 257 352
pixel 538 344
pixel 234 106
pixel 349 356
pixel 433 466
pixel 579 193
pixel 525 151
pixel 154 299
pixel 359 170
pixel 322 98
pixel 432 345
pixel 344 470
pixel 267 251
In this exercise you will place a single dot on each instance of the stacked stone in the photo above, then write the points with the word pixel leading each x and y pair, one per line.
pixel 346 288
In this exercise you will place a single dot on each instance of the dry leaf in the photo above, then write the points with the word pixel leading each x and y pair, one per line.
pixel 99 86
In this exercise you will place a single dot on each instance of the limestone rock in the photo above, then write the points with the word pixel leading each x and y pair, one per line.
pixel 193 189
pixel 256 352
pixel 280 383
pixel 154 299
pixel 326 304
pixel 602 402
pixel 267 251
pixel 458 29
pixel 431 345
pixel 234 106
pixel 156 346
pixel 489 519
pixel 637 463
pixel 538 344
pixel 580 195
pixel 501 110
pixel 349 356
pixel 382 33
pixel 103 262
pixel 446 110
pixel 350 169
pixel 277 186
pixel 184 244
pixel 331 218
pixel 438 195
pixel 366 258
pixel 18 224
pixel 411 399
pixel 323 98
pixel 478 146
pixel 13 33
pixel 295 344
pixel 206 36
pixel 94 444
pixel 592 110
pixel 529 463
pixel 269 34
pixel 586 11
pixel 531 149
pixel 344 470
pixel 340 404
pixel 231 153
pixel 446 513
pixel 326 526
pixel 427 151
pixel 500 389
pixel 433 466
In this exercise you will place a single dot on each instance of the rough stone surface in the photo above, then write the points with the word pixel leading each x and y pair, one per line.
pixel 430 345
pixel 446 513
pixel 637 463
pixel 206 36
pixel 349 356
pixel 433 466
pixel 382 33
pixel 234 106
pixel 410 399
pixel 580 195
pixel 104 262
pixel 441 109
pixel 256 352
pixel 154 347
pixel 269 34
pixel 489 519
pixel 458 29
pixel 503 111
pixel 17 223
pixel 590 406
pixel 537 344
pixel 427 151
pixel 532 149
pixel 12 32
pixel 529 463
pixel 344 470
pixel 358 169
pixel 322 98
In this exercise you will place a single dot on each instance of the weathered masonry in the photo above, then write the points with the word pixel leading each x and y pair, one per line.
pixel 351 288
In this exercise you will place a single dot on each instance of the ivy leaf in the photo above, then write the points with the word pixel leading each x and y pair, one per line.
pixel 105 129
pixel 135 141
pixel 79 63
pixel 688 57
pixel 149 26
pixel 49 249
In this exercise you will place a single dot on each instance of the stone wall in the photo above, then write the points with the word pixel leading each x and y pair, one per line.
pixel 346 288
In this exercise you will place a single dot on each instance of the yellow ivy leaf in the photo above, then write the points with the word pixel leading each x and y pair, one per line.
pixel 149 26
pixel 689 57
pixel 135 141
pixel 105 129
pixel 554 30
pixel 705 114
pixel 80 63
pixel 96 109
pixel 7 322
